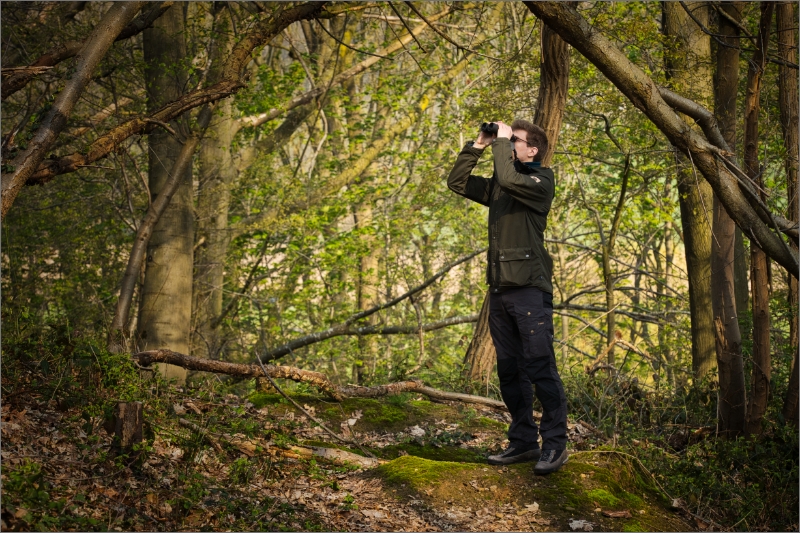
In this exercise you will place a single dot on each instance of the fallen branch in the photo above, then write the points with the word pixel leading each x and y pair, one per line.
pixel 252 370
pixel 316 379
pixel 346 327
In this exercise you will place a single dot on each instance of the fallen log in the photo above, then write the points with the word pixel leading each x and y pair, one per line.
pixel 317 379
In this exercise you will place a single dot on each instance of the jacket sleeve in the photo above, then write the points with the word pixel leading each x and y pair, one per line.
pixel 535 189
pixel 460 181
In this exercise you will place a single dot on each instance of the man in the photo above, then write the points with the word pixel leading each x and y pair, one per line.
pixel 519 274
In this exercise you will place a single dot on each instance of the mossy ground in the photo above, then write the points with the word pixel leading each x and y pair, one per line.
pixel 443 473
pixel 586 483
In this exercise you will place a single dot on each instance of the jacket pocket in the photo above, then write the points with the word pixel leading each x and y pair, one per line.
pixel 516 266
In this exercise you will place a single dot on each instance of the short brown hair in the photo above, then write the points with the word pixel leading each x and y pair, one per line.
pixel 536 136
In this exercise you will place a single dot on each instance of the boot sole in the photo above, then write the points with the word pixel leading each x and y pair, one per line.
pixel 530 455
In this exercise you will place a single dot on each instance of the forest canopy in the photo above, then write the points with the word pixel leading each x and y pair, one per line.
pixel 245 181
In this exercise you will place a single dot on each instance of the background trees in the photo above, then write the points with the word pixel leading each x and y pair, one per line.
pixel 316 190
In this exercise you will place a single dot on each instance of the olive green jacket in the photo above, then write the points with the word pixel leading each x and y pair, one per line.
pixel 519 196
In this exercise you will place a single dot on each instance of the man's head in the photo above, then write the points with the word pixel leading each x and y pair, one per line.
pixel 530 141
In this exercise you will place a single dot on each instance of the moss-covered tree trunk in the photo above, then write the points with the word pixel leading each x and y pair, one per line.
pixel 217 176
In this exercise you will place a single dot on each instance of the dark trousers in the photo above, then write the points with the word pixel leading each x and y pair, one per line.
pixel 521 323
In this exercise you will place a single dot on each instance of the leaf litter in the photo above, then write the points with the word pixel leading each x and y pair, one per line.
pixel 261 476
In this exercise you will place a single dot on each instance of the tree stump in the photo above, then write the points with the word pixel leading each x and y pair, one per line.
pixel 128 420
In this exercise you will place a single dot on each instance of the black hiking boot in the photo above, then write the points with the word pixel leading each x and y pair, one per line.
pixel 550 461
pixel 516 454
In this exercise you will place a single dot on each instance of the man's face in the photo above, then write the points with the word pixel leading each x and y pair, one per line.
pixel 525 152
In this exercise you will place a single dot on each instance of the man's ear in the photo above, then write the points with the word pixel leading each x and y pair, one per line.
pixel 534 150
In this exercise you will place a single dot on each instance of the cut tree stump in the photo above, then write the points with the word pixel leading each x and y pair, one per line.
pixel 128 421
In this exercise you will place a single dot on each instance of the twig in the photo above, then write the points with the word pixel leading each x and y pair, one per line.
pixel 309 415
pixel 321 25
pixel 406 27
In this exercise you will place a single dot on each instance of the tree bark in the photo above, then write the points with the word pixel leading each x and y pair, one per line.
pixel 759 275
pixel 26 163
pixel 788 96
pixel 128 422
pixel 166 297
pixel 728 338
pixel 217 177
pixel 316 379
pixel 644 94
pixel 118 334
pixel 553 91
pixel 480 356
pixel 688 68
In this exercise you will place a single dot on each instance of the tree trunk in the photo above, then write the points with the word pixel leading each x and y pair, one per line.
pixel 688 68
pixel 166 301
pixel 663 294
pixel 788 95
pixel 731 402
pixel 118 332
pixel 367 287
pixel 759 275
pixel 128 422
pixel 217 176
pixel 553 91
pixel 480 357
pixel 759 224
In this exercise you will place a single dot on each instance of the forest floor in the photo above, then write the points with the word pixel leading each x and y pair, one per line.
pixel 252 468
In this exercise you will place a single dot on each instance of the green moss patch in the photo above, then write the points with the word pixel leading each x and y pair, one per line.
pixel 574 492
pixel 419 473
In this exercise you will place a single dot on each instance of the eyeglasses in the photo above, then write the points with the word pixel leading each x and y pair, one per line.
pixel 514 139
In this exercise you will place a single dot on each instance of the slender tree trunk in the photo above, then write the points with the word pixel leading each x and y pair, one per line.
pixel 166 304
pixel 688 66
pixel 608 252
pixel 553 89
pixel 663 294
pixel 788 95
pixel 731 402
pixel 367 284
pixel 759 275
pixel 217 176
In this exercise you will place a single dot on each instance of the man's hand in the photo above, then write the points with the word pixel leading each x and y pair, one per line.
pixel 484 139
pixel 503 130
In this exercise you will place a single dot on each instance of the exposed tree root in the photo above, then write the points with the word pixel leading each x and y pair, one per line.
pixel 318 380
